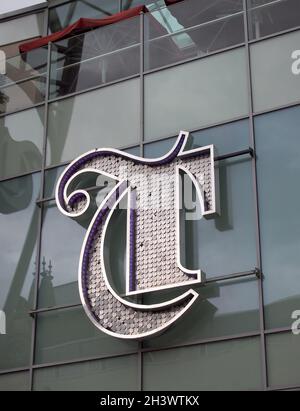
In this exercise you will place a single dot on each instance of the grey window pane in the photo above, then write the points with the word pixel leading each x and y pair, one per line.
pixel 115 374
pixel 227 139
pixel 274 82
pixel 222 309
pixel 283 354
pixel 68 334
pixel 23 28
pixel 191 29
pixel 277 136
pixel 51 178
pixel 63 16
pixel 232 365
pixel 196 94
pixel 18 235
pixel 273 17
pixel 18 381
pixel 97 57
pixel 62 239
pixel 21 142
pixel 104 117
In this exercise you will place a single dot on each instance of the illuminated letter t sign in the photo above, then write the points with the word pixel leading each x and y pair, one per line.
pixel 152 190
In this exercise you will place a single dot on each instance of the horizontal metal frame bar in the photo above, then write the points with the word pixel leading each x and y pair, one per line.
pixel 2 180
pixel 119 51
pixel 16 83
pixel 148 350
pixel 210 280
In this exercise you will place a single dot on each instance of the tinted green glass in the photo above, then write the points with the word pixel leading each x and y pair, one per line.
pixel 21 142
pixel 62 238
pixel 18 235
pixel 278 154
pixel 196 94
pixel 227 139
pixel 283 354
pixel 68 334
pixel 232 365
pixel 223 308
pixel 115 374
pixel 18 381
pixel 108 117
pixel 96 57
pixel 275 70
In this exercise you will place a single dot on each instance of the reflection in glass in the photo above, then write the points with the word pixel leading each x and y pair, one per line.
pixel 22 95
pixel 18 381
pixel 68 334
pixel 26 27
pixel 191 29
pixel 63 16
pixel 232 365
pixel 97 57
pixel 21 142
pixel 272 17
pixel 119 374
pixel 62 238
pixel 278 154
pixel 108 117
pixel 19 225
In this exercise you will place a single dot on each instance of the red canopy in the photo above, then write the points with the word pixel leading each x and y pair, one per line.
pixel 81 25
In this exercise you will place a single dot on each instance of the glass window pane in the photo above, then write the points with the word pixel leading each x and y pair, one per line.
pixel 273 17
pixel 22 95
pixel 59 258
pixel 114 374
pixel 223 308
pixel 232 365
pixel 212 90
pixel 278 152
pixel 225 244
pixel 21 142
pixel 68 334
pixel 97 57
pixel 22 28
pixel 104 117
pixel 18 235
pixel 283 354
pixel 18 381
pixel 202 27
pixel 63 16
pixel 51 177
pixel 275 73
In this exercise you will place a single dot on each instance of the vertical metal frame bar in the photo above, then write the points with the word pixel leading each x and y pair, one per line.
pixel 39 236
pixel 142 84
pixel 256 204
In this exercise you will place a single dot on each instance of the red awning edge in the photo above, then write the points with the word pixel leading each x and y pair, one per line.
pixel 81 25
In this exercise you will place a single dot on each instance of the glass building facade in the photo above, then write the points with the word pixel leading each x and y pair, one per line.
pixel 228 72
